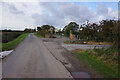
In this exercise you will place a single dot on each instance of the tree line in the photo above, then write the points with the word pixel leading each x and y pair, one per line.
pixel 45 29
pixel 105 30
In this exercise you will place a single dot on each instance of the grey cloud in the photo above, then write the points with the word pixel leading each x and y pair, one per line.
pixel 58 13
pixel 25 5
pixel 61 13
pixel 43 19
pixel 12 8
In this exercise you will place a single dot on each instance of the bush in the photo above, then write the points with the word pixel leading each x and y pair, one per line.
pixel 109 56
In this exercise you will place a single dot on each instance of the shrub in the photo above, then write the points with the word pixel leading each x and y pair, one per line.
pixel 109 56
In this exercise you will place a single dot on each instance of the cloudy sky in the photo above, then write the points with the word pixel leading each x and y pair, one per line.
pixel 21 15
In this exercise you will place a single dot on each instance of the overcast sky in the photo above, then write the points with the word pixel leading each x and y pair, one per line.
pixel 21 15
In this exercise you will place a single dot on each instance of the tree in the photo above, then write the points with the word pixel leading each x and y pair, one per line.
pixel 71 26
pixel 59 31
pixel 107 31
pixel 34 30
pixel 26 30
pixel 39 28
pixel 48 28
pixel 29 30
pixel 87 31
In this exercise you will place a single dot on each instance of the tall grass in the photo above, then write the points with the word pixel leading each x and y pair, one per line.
pixel 12 44
pixel 9 36
pixel 104 62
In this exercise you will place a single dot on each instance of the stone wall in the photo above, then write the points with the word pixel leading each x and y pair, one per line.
pixel 72 36
pixel 48 36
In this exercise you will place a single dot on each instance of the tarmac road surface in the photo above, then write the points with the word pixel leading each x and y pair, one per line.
pixel 31 59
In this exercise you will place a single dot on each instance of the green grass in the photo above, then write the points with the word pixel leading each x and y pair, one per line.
pixel 38 35
pixel 12 44
pixel 97 65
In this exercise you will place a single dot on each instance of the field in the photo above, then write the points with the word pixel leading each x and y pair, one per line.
pixel 104 62
pixel 12 44
pixel 9 36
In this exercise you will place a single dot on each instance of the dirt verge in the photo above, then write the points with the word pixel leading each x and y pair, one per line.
pixel 67 59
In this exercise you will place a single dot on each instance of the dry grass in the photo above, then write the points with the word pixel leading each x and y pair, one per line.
pixel 98 43
pixel 78 51
pixel 89 42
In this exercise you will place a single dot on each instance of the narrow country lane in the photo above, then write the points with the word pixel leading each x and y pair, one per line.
pixel 31 59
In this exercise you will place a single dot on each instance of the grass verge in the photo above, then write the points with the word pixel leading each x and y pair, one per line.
pixel 85 42
pixel 36 34
pixel 75 42
pixel 12 44
pixel 95 63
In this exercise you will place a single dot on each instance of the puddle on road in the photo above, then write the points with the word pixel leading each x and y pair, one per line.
pixel 80 75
